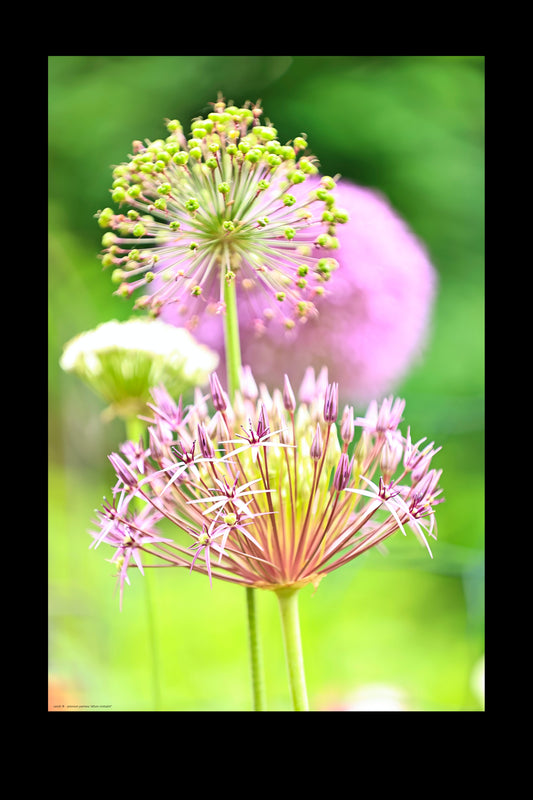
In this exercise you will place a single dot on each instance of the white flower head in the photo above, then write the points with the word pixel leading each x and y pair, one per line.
pixel 122 361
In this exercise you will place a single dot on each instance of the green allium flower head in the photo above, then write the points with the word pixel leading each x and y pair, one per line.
pixel 122 361
pixel 218 206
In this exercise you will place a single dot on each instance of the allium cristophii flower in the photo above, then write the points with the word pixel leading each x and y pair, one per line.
pixel 372 322
pixel 269 492
pixel 221 206
pixel 122 361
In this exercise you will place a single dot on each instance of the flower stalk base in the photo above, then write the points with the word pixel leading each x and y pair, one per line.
pixel 290 623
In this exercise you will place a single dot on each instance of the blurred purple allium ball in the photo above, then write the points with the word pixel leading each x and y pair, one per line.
pixel 373 321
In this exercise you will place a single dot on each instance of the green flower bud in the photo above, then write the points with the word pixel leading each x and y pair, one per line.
pixel 105 217
pixel 119 171
pixel 300 143
pixel 139 230
pixel 161 203
pixel 327 182
pixel 174 225
pixel 117 276
pixel 180 158
pixel 274 161
pixel 288 199
pixel 195 153
pixel 119 195
pixel 253 155
pixel 192 205
pixel 289 233
pixel 265 132
pixel 174 125
pixel 108 239
pixel 134 191
pixel 341 215
pixel 223 188
pixel 287 152
pixel 149 276
pixel 297 177
pixel 307 166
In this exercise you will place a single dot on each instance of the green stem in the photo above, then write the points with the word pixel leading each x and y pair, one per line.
pixel 135 429
pixel 231 338
pixel 256 661
pixel 290 623
pixel 233 367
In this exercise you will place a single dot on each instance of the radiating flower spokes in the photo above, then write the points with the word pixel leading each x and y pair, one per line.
pixel 129 533
pixel 291 517
pixel 394 503
pixel 231 495
pixel 254 442
pixel 196 214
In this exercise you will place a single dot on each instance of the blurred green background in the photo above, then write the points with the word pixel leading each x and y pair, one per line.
pixel 401 626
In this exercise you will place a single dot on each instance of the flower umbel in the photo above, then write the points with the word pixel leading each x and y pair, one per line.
pixel 219 207
pixel 122 361
pixel 273 499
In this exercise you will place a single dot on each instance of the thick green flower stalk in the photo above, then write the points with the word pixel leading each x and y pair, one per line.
pixel 217 208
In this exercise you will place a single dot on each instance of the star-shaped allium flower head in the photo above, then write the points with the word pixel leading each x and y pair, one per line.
pixel 281 504
pixel 219 207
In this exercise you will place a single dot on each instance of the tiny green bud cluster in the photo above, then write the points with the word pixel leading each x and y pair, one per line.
pixel 229 199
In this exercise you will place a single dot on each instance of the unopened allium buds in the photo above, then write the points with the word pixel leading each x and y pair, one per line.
pixel 195 213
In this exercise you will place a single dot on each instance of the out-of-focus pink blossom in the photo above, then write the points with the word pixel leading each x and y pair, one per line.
pixel 373 320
